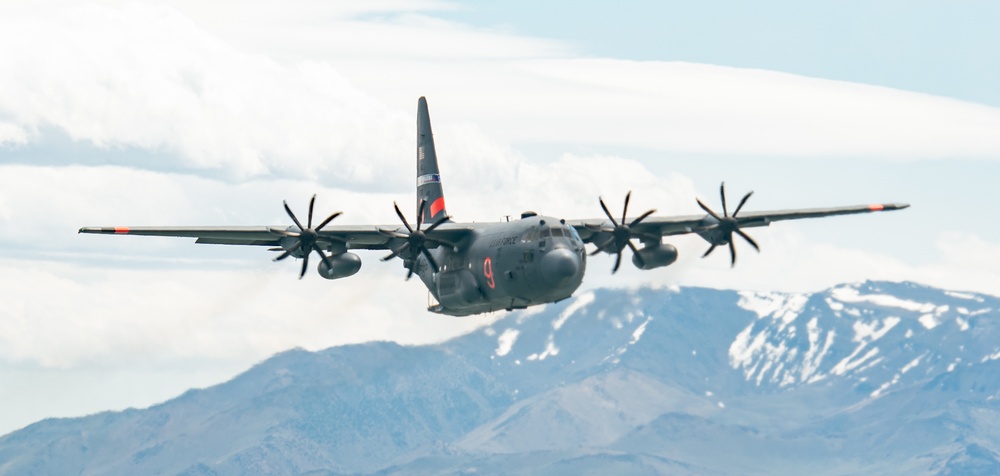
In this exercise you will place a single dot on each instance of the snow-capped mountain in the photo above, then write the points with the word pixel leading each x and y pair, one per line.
pixel 872 378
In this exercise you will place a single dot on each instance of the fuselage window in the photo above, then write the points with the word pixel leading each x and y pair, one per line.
pixel 530 235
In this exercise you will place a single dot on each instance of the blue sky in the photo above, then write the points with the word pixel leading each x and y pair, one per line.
pixel 192 113
pixel 935 47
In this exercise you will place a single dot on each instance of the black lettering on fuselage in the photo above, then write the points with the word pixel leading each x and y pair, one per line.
pixel 503 241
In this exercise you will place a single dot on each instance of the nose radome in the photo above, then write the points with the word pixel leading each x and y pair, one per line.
pixel 560 265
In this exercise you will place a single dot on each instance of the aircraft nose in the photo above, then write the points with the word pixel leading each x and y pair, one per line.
pixel 560 265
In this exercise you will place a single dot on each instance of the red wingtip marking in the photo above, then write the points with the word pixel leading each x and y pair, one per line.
pixel 876 208
pixel 121 229
pixel 437 206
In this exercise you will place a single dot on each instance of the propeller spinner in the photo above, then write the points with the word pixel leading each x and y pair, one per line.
pixel 621 233
pixel 306 237
pixel 726 225
pixel 416 239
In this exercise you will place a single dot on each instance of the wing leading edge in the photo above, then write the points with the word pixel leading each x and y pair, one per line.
pixel 679 225
pixel 366 237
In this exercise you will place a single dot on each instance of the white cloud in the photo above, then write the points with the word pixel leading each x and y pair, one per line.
pixel 789 262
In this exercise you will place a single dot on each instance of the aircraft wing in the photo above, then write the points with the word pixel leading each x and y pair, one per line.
pixel 355 236
pixel 679 225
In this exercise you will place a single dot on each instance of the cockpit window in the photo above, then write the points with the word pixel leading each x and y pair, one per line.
pixel 557 232
pixel 574 234
pixel 546 233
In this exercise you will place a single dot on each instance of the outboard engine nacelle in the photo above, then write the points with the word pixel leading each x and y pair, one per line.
pixel 655 256
pixel 341 266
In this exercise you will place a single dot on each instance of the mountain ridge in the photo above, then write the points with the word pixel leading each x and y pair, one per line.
pixel 853 378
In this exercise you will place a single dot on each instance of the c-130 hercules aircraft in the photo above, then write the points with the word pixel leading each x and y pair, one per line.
pixel 471 268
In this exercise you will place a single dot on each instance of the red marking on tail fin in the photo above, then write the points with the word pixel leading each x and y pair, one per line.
pixel 876 208
pixel 121 229
pixel 437 207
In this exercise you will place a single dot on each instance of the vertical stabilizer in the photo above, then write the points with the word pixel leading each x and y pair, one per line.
pixel 428 175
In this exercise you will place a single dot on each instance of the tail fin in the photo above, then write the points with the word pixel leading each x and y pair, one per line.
pixel 428 176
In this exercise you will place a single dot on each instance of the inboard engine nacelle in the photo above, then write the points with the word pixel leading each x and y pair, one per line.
pixel 341 266
pixel 655 256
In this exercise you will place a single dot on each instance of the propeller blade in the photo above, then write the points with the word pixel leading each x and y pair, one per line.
pixel 322 256
pixel 742 202
pixel 392 233
pixel 430 259
pixel 396 252
pixel 722 192
pixel 279 231
pixel 638 256
pixel 292 215
pixel 708 210
pixel 312 204
pixel 749 240
pixel 289 252
pixel 409 273
pixel 420 212
pixel 601 248
pixel 710 250
pixel 641 218
pixel 732 253
pixel 606 212
pixel 276 249
pixel 401 217
pixel 305 264
pixel 437 223
pixel 618 262
pixel 628 197
pixel 328 220
pixel 447 243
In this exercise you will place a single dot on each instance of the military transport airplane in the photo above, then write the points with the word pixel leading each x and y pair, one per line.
pixel 472 268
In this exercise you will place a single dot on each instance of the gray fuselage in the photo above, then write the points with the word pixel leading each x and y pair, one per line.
pixel 506 265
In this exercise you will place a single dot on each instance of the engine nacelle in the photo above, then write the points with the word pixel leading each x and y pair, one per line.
pixel 655 256
pixel 341 266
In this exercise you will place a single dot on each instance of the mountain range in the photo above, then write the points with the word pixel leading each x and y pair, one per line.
pixel 866 378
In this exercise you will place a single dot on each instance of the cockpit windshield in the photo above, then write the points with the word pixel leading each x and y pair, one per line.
pixel 544 232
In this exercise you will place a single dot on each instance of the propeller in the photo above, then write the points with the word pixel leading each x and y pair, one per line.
pixel 727 225
pixel 621 233
pixel 416 239
pixel 306 237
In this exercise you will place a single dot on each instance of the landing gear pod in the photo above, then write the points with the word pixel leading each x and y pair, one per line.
pixel 656 256
pixel 341 266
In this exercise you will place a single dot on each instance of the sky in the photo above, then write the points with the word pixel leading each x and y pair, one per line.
pixel 212 113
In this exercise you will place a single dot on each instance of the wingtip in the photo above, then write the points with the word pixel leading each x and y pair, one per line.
pixel 885 207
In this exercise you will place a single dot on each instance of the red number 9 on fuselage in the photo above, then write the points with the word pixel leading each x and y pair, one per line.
pixel 488 273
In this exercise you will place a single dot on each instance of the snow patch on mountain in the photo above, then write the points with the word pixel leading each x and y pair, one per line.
pixel 852 295
pixel 637 333
pixel 869 331
pixel 958 295
pixel 578 304
pixel 506 341
pixel 785 307
pixel 913 363
pixel 550 350
pixel 851 362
